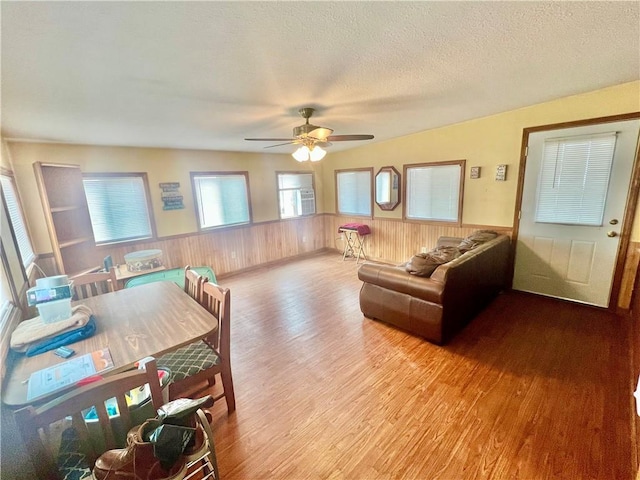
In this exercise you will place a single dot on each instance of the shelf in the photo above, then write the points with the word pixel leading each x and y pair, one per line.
pixel 67 215
pixel 75 241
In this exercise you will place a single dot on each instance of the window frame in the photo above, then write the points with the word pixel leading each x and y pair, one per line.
pixel 405 180
pixel 278 190
pixel 147 192
pixel 29 265
pixel 371 192
pixel 196 202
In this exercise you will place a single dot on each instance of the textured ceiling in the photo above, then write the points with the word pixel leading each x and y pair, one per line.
pixel 205 75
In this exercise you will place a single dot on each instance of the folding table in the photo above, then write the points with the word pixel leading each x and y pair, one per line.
pixel 354 235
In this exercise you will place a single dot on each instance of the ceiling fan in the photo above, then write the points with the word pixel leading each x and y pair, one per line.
pixel 311 138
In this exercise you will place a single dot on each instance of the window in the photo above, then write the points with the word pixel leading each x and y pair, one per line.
pixel 16 218
pixel 222 198
pixel 434 191
pixel 118 206
pixel 296 195
pixel 574 179
pixel 353 191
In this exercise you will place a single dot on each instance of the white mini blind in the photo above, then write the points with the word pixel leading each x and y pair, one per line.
pixel 295 180
pixel 354 192
pixel 574 179
pixel 17 221
pixel 118 208
pixel 222 200
pixel 433 192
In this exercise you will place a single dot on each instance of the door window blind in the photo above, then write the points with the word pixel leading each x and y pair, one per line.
pixel 118 208
pixel 574 179
pixel 354 192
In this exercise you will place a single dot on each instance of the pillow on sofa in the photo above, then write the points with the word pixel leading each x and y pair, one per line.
pixel 423 264
pixel 476 238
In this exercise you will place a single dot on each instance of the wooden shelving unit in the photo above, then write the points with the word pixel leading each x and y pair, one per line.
pixel 67 215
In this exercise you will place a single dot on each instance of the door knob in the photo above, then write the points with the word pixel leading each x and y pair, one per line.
pixel 612 234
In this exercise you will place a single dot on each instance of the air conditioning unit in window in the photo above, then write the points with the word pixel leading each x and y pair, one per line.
pixel 307 201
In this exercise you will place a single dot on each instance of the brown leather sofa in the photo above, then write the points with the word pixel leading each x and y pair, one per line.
pixel 439 306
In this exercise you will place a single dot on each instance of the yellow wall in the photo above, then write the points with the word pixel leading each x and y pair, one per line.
pixel 484 142
pixel 161 165
pixel 5 160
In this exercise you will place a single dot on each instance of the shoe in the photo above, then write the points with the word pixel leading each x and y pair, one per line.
pixel 137 461
pixel 194 450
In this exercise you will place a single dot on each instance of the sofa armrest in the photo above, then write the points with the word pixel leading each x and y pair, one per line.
pixel 399 280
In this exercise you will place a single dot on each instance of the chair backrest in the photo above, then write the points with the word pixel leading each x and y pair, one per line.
pixel 92 284
pixel 193 282
pixel 217 300
pixel 31 420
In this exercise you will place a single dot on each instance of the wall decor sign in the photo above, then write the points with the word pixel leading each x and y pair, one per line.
pixel 171 196
pixel 501 173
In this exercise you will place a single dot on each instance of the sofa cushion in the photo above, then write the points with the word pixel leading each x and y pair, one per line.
pixel 476 238
pixel 423 264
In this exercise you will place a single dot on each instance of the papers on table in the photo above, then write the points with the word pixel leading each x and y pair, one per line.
pixel 68 373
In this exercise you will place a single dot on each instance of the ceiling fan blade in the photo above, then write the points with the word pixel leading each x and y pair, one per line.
pixel 322 143
pixel 268 139
pixel 348 138
pixel 290 142
pixel 321 133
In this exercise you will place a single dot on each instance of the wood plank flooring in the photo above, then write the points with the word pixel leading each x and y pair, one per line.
pixel 533 388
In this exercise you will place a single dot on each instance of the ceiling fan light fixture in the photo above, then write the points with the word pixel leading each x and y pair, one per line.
pixel 316 154
pixel 301 154
pixel 304 153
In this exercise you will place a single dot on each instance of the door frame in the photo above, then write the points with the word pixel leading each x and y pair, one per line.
pixel 630 207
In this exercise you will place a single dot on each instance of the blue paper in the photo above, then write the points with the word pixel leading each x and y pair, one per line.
pixel 62 339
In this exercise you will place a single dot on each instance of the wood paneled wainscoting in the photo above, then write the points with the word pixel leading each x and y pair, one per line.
pixel 232 249
pixel 236 249
pixel 395 241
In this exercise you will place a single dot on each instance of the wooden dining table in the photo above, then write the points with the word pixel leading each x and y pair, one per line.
pixel 148 320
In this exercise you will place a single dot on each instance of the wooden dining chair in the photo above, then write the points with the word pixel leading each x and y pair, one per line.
pixel 78 451
pixel 92 284
pixel 193 282
pixel 194 367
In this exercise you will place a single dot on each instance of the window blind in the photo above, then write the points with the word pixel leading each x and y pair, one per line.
pixel 354 192
pixel 433 192
pixel 17 220
pixel 295 180
pixel 118 208
pixel 222 200
pixel 574 179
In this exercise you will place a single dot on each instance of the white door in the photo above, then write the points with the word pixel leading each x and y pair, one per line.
pixel 573 204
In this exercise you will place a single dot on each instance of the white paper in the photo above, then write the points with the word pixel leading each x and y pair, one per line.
pixel 67 373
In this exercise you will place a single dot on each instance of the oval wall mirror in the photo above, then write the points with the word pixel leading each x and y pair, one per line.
pixel 388 188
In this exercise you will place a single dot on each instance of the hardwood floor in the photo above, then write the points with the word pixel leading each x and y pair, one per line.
pixel 533 388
